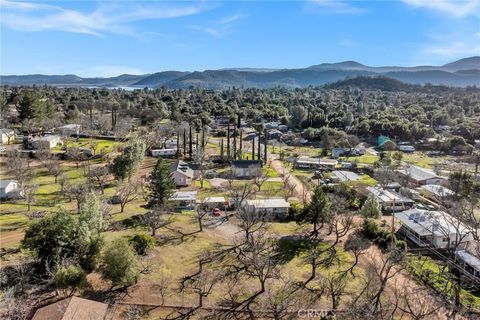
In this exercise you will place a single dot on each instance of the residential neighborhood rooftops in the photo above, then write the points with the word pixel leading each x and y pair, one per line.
pixel 72 308
pixel 268 203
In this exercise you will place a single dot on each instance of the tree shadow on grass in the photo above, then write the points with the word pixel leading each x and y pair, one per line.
pixel 289 247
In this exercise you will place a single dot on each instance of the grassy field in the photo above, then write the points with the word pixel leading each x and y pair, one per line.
pixel 100 145
pixel 429 271
pixel 366 158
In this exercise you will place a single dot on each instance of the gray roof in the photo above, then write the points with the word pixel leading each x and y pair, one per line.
pixel 388 196
pixel 181 167
pixel 419 174
pixel 246 163
pixel 5 183
pixel 345 175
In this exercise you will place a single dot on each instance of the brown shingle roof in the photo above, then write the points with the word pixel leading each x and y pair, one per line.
pixel 73 308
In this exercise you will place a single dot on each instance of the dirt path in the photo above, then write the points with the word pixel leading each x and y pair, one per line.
pixel 299 190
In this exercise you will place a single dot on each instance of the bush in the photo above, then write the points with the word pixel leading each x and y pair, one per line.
pixel 381 236
pixel 71 277
pixel 141 242
pixel 119 263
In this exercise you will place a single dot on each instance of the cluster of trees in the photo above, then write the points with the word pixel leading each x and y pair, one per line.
pixel 406 115
pixel 69 246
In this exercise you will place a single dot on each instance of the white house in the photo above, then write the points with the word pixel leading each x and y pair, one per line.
pixel 46 142
pixel 435 192
pixel 468 256
pixel 163 152
pixel 421 176
pixel 69 129
pixel 7 136
pixel 184 199
pixel 9 189
pixel 274 208
pixel 435 228
pixel 390 200
pixel 181 173
pixel 246 168
pixel 303 162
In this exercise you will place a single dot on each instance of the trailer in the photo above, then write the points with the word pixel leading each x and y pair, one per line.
pixel 163 152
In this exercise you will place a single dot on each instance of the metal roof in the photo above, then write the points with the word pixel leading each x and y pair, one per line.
pixel 425 222
pixel 184 196
pixel 268 203
pixel 388 196
pixel 5 183
pixel 345 175
pixel 418 174
pixel 438 190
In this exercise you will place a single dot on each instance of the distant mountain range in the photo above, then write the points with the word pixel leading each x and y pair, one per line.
pixel 461 73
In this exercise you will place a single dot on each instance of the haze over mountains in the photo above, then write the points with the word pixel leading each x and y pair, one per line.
pixel 461 73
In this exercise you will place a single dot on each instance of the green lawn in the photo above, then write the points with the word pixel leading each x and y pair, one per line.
pixel 367 180
pixel 269 172
pixel 206 184
pixel 367 158
pixel 101 144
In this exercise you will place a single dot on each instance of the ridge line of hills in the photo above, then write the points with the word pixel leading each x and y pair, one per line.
pixel 460 73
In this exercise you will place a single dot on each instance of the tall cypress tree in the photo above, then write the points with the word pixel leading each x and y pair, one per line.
pixel 221 149
pixel 253 148
pixel 259 152
pixel 190 142
pixel 228 140
pixel 265 146
pixel 241 146
pixel 178 145
pixel 184 141
pixel 234 142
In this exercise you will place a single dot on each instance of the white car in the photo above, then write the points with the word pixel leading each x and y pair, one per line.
pixel 3 149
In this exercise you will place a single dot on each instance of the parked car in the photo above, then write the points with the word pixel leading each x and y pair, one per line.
pixel 217 212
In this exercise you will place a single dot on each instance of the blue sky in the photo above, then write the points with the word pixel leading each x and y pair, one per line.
pixel 95 38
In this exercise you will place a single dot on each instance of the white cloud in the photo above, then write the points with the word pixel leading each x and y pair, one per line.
pixel 219 27
pixel 108 71
pixel 332 7
pixel 455 8
pixel 109 18
pixel 348 42
pixel 453 49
